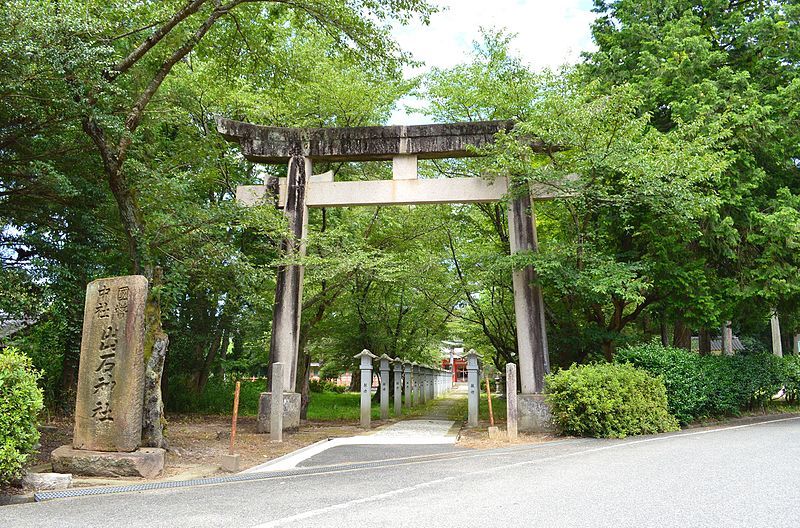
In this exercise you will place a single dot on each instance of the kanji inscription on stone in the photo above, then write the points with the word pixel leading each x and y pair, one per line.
pixel 108 408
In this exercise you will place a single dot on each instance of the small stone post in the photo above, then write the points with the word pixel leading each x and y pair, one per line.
pixel 398 386
pixel 384 366
pixel 407 383
pixel 416 378
pixel 775 326
pixel 276 404
pixel 727 339
pixel 423 384
pixel 511 400
pixel 366 386
pixel 474 392
pixel 431 392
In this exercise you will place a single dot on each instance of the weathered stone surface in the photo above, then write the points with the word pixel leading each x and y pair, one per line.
pixel 47 481
pixel 533 414
pixel 267 144
pixel 534 361
pixel 230 462
pixel 108 407
pixel 291 411
pixel 146 462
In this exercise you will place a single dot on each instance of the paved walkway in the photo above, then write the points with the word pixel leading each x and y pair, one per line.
pixel 434 433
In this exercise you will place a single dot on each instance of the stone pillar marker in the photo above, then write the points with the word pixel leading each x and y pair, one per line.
pixel 276 407
pixel 775 327
pixel 109 400
pixel 366 358
pixel 415 385
pixel 384 367
pixel 398 386
pixel 423 384
pixel 407 383
pixel 474 391
pixel 511 400
pixel 727 339
pixel 108 406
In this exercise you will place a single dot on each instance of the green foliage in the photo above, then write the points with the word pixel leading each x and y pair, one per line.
pixel 217 397
pixel 792 380
pixel 318 386
pixel 702 386
pixel 20 403
pixel 608 401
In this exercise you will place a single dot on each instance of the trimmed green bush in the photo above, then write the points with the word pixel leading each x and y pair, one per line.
pixel 792 379
pixel 608 401
pixel 20 403
pixel 325 386
pixel 702 386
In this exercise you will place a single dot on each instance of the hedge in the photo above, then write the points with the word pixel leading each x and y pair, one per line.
pixel 707 386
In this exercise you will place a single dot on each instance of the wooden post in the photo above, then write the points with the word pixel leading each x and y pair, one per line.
pixel 511 400
pixel 276 403
pixel 235 416
pixel 534 362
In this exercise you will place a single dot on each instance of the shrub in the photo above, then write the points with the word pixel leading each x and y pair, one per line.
pixel 20 403
pixel 325 386
pixel 701 386
pixel 216 398
pixel 608 401
pixel 792 378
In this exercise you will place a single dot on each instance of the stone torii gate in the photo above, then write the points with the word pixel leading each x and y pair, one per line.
pixel 404 146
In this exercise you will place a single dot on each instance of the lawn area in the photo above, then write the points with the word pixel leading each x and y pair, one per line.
pixel 325 406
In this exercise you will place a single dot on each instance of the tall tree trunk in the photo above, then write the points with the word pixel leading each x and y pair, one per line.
pixel 155 352
pixel 205 370
pixel 682 336
pixel 608 350
pixel 664 327
pixel 704 345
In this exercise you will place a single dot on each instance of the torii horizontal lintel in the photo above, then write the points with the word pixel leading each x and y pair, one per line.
pixel 323 192
pixel 266 144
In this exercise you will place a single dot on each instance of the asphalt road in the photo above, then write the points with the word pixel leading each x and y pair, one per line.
pixel 743 475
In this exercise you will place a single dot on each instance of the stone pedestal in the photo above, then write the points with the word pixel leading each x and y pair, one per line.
pixel 533 414
pixel 291 411
pixel 230 463
pixel 145 462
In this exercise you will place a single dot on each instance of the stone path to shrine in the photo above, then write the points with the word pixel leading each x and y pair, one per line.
pixel 434 433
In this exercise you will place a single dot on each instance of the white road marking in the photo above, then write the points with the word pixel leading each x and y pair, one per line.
pixel 399 491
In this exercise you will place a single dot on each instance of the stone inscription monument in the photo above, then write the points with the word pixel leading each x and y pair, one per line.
pixel 108 407
pixel 109 401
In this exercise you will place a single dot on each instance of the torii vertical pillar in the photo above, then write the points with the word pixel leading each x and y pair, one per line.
pixel 534 363
pixel 285 339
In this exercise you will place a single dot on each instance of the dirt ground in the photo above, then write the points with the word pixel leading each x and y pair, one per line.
pixel 198 442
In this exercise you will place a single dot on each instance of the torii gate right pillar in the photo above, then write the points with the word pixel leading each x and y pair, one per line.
pixel 534 363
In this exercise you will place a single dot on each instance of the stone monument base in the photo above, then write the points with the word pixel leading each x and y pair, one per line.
pixel 534 414
pixel 291 411
pixel 145 462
